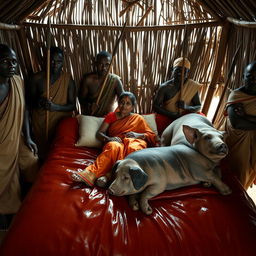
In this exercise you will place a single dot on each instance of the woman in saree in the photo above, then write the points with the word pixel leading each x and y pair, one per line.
pixel 122 133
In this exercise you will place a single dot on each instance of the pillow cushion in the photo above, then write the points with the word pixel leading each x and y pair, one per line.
pixel 151 121
pixel 88 127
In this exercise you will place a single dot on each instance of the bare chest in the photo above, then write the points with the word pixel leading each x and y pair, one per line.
pixel 4 90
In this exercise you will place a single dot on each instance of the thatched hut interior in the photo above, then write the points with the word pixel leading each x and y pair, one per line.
pixel 212 35
pixel 218 37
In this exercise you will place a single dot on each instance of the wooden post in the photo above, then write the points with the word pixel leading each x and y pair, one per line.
pixel 217 70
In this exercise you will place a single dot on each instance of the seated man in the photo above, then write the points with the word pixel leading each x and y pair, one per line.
pixel 61 102
pixel 91 88
pixel 15 155
pixel 241 128
pixel 176 97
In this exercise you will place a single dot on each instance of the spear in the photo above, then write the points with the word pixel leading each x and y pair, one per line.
pixel 227 82
pixel 106 76
pixel 48 76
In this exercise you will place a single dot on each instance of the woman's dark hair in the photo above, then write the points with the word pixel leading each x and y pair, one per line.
pixel 130 95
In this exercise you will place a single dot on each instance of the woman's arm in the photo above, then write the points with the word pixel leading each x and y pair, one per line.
pixel 102 134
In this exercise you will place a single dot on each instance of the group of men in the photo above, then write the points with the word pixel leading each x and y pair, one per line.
pixel 28 126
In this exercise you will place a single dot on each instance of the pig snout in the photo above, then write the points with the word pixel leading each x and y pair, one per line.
pixel 222 148
pixel 115 190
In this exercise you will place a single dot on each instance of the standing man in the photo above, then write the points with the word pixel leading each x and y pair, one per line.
pixel 92 84
pixel 13 152
pixel 176 97
pixel 241 128
pixel 61 102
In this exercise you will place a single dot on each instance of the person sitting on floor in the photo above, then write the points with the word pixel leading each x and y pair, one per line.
pixel 122 132
pixel 241 128
pixel 176 97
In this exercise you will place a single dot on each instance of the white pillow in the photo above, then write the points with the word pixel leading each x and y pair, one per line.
pixel 88 127
pixel 151 121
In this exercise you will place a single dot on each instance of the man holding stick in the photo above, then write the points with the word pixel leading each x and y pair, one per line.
pixel 60 104
pixel 178 95
pixel 99 89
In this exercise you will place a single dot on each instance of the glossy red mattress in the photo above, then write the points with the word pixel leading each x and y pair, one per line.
pixel 61 217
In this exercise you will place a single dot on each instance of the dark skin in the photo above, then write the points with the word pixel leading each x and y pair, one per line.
pixel 169 89
pixel 237 115
pixel 8 68
pixel 91 86
pixel 37 88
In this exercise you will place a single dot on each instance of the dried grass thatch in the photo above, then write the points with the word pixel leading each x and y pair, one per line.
pixel 146 52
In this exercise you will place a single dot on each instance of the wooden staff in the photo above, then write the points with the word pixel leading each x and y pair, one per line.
pixel 183 62
pixel 106 76
pixel 48 74
pixel 227 82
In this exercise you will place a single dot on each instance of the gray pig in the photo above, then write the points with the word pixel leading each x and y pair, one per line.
pixel 197 132
pixel 148 172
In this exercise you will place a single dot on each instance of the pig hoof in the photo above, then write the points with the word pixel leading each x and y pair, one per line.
pixel 135 206
pixel 148 210
pixel 207 184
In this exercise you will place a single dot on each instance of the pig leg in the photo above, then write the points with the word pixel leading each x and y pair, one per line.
pixel 148 193
pixel 133 202
pixel 214 179
pixel 221 186
pixel 217 172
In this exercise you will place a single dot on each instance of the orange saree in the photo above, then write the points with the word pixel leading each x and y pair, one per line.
pixel 113 151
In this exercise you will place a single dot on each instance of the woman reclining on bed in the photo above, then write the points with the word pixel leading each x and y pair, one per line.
pixel 122 132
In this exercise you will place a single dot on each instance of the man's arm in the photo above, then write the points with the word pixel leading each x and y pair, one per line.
pixel 239 119
pixel 83 90
pixel 26 131
pixel 196 104
pixel 71 101
pixel 119 87
pixel 159 101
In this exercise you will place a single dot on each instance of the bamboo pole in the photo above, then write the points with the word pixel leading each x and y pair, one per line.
pixel 221 55
pixel 128 28
pixel 48 75
pixel 5 26
pixel 242 23
pixel 227 82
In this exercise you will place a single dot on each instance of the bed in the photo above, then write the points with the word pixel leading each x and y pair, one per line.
pixel 62 217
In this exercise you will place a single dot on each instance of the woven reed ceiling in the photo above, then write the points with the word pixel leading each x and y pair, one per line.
pixel 15 11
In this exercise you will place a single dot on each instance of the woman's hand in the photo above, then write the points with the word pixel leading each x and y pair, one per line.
pixel 135 135
pixel 117 139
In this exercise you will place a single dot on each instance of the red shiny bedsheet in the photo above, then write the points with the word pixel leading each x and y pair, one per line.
pixel 61 217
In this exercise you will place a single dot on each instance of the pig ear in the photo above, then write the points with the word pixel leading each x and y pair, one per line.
pixel 138 177
pixel 191 134
pixel 115 166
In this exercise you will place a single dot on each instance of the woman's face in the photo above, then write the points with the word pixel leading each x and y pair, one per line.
pixel 125 105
